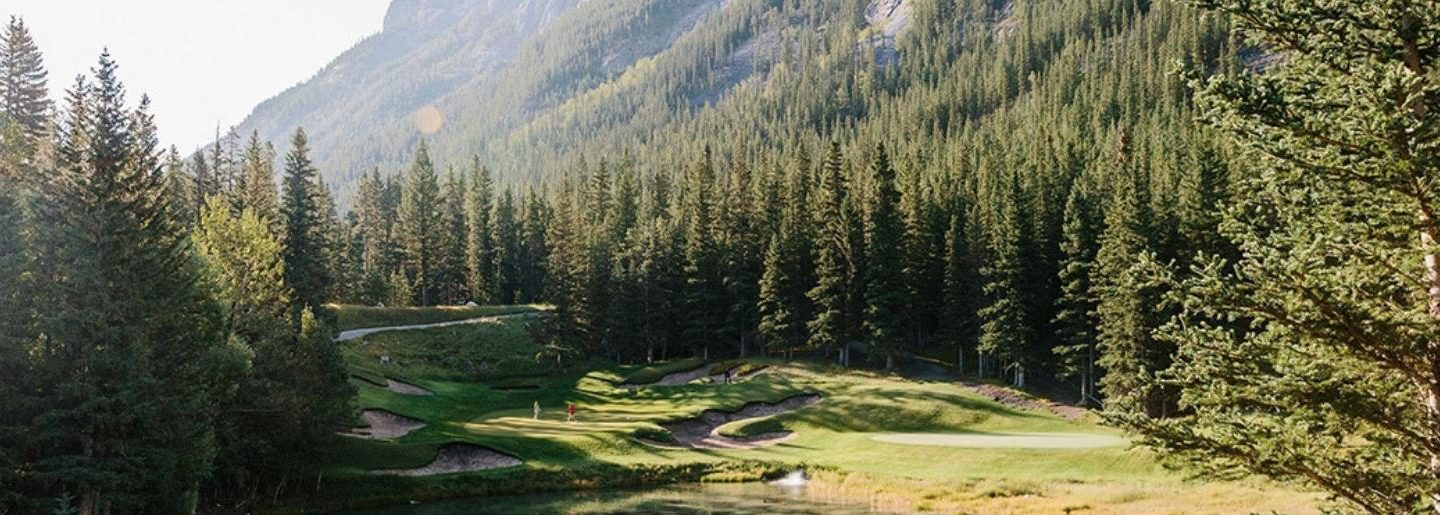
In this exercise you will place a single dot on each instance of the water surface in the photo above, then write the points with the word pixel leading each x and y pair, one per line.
pixel 721 498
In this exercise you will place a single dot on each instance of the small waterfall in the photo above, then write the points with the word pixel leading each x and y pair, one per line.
pixel 795 479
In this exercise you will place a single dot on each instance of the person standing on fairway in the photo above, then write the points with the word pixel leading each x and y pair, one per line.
pixel 537 410
pixel 570 414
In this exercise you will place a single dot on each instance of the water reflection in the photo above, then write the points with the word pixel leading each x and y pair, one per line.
pixel 681 499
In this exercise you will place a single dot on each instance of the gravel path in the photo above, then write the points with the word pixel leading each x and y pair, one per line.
pixel 357 333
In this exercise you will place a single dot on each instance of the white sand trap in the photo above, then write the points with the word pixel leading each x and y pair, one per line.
pixel 457 457
pixel 384 424
pixel 405 388
pixel 704 432
pixel 1004 440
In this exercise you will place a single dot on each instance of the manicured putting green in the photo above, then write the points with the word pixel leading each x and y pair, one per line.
pixel 1003 440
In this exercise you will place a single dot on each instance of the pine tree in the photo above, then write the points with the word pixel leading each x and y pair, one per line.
pixel 886 294
pixel 834 295
pixel 1075 317
pixel 374 235
pixel 505 235
pixel 15 313
pixel 334 237
pixel 257 184
pixel 1008 327
pixel 479 250
pixel 1321 334
pixel 307 270
pixel 534 249
pixel 130 363
pixel 961 292
pixel 419 227
pixel 1127 310
pixel 23 93
pixel 179 189
pixel 454 286
pixel 704 285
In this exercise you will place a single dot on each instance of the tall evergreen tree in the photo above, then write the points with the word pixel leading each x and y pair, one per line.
pixel 1313 356
pixel 1127 309
pixel 479 250
pixel 534 249
pixel 834 296
pixel 374 235
pixel 257 184
pixel 129 364
pixel 419 225
pixel 454 285
pixel 505 235
pixel 1008 328
pixel 704 285
pixel 23 93
pixel 886 294
pixel 307 270
pixel 1075 317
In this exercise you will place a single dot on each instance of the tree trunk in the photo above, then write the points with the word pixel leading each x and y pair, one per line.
pixel 1431 393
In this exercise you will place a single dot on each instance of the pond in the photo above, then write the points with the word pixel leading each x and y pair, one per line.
pixel 710 498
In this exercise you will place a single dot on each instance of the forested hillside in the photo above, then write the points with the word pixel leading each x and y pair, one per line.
pixel 1211 220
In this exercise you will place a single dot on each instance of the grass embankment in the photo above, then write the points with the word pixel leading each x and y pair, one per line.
pixel 475 404
pixel 351 316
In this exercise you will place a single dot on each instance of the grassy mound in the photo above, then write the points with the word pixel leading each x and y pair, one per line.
pixel 351 316
pixel 471 405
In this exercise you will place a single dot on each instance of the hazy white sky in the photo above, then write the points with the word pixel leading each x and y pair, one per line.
pixel 203 62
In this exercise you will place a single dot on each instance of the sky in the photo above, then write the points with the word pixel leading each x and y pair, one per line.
pixel 204 63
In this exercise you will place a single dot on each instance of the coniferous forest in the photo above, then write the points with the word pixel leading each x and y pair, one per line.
pixel 1212 222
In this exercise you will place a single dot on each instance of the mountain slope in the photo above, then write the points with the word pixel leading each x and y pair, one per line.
pixel 531 86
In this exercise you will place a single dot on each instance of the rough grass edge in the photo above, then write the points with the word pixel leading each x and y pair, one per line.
pixel 359 492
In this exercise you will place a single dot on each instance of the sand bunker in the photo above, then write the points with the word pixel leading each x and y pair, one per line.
pixel 720 378
pixel 674 378
pixel 384 424
pixel 1004 440
pixel 457 457
pixel 703 432
pixel 405 388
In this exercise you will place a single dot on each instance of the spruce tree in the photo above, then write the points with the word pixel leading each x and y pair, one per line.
pixel 479 250
pixel 886 294
pixel 419 227
pixel 534 249
pixel 1008 327
pixel 307 270
pixel 179 189
pixel 836 321
pixel 15 312
pixel 374 235
pixel 454 286
pixel 257 184
pixel 704 284
pixel 1127 309
pixel 961 292
pixel 23 94
pixel 505 235
pixel 1313 355
pixel 1075 317
pixel 130 366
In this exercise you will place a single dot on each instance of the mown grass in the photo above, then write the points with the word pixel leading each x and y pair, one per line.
pixel 351 316
pixel 486 350
pixel 834 435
